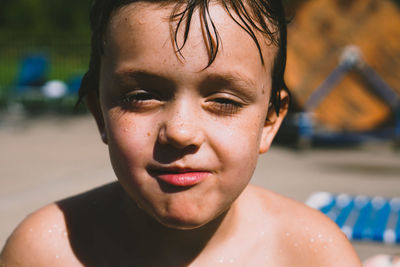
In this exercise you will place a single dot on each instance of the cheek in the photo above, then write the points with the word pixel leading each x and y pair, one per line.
pixel 238 146
pixel 129 137
pixel 242 137
pixel 237 155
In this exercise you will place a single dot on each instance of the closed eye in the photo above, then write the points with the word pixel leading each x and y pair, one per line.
pixel 224 106
pixel 140 99
pixel 137 97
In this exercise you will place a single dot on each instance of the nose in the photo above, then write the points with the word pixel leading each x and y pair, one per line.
pixel 181 127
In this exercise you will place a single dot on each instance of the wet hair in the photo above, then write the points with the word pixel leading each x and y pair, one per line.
pixel 264 16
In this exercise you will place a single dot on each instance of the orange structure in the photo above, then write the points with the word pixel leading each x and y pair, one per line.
pixel 319 32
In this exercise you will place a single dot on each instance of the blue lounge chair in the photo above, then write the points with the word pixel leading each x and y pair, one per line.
pixel 361 217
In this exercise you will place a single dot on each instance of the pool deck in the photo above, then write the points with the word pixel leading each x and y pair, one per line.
pixel 49 159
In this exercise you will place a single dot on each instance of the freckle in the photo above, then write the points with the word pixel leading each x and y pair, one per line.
pixel 148 134
pixel 263 91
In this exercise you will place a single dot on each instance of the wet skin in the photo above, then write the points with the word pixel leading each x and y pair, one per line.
pixel 183 140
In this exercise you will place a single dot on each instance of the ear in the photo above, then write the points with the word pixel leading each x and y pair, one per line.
pixel 273 122
pixel 93 104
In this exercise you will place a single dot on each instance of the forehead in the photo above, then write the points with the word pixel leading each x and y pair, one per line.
pixel 142 33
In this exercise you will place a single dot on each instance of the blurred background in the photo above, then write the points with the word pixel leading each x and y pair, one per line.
pixel 342 135
pixel 44 51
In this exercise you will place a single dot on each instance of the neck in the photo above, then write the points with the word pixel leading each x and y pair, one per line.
pixel 175 243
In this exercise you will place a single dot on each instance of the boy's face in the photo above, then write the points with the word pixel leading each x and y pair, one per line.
pixel 183 140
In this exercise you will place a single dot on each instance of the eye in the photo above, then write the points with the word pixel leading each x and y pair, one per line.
pixel 224 106
pixel 138 99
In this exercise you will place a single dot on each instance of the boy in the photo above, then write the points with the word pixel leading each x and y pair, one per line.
pixel 180 94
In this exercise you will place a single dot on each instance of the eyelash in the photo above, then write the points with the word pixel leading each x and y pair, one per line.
pixel 224 106
pixel 220 105
pixel 137 98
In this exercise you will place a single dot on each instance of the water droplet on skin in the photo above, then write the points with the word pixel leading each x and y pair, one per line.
pixel 50 231
pixel 287 234
pixel 65 233
pixel 221 260
pixel 262 233
pixel 315 250
pixel 325 247
pixel 231 260
pixel 320 236
pixel 330 240
pixel 296 245
pixel 312 240
pixel 57 256
pixel 30 230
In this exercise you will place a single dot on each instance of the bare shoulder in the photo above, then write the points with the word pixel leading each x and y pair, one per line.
pixel 47 237
pixel 306 236
pixel 40 239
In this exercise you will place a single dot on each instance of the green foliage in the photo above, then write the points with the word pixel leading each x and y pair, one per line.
pixel 44 16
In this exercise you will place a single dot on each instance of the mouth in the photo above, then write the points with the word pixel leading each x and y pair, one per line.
pixel 182 177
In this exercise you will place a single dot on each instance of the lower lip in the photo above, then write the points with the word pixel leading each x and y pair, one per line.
pixel 183 179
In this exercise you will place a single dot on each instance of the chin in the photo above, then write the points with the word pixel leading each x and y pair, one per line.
pixel 185 220
pixel 181 222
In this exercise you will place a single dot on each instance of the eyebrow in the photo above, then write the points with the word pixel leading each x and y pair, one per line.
pixel 127 74
pixel 142 77
pixel 235 81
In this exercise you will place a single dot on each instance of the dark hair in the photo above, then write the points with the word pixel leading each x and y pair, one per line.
pixel 264 16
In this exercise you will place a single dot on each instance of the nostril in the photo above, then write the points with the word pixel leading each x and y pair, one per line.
pixel 191 149
pixel 167 153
